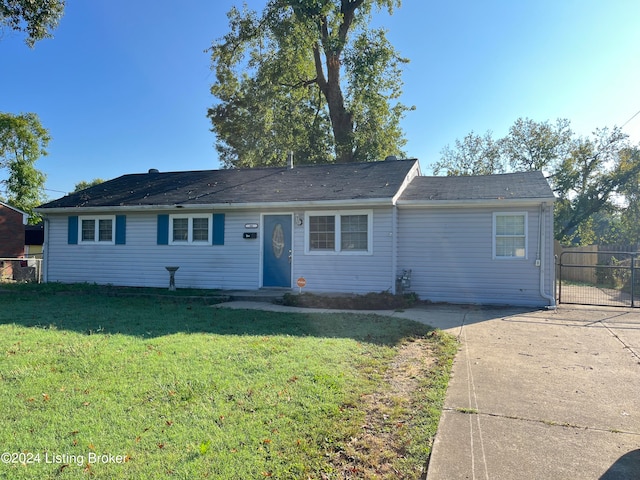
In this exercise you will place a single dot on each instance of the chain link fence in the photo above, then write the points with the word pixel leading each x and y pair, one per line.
pixel 599 278
pixel 21 270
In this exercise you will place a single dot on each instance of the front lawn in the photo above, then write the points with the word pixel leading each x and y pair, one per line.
pixel 94 386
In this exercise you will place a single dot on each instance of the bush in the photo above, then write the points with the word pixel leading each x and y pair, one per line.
pixel 614 274
pixel 369 301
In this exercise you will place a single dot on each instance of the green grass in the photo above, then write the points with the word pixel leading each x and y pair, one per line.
pixel 110 290
pixel 183 390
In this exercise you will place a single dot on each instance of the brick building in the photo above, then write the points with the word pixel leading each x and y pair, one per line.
pixel 12 224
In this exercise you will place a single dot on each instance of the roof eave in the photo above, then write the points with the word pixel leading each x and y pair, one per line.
pixel 350 203
pixel 485 202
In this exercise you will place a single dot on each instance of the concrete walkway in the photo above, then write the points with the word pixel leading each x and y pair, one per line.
pixel 535 394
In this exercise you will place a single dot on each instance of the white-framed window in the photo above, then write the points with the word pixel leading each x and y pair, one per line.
pixel 99 229
pixel 510 235
pixel 338 232
pixel 190 229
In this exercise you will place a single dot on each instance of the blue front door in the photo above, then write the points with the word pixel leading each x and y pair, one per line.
pixel 276 248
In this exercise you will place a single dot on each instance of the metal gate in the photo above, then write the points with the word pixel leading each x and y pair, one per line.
pixel 599 278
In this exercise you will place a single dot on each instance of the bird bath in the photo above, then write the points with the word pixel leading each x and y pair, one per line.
pixel 172 278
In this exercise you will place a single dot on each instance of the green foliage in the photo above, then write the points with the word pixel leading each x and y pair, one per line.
pixel 376 69
pixel 83 184
pixel 23 140
pixel 531 145
pixel 474 155
pixel 37 18
pixel 587 179
pixel 306 77
pixel 595 178
pixel 625 228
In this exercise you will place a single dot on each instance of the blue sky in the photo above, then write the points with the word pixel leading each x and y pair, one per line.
pixel 124 85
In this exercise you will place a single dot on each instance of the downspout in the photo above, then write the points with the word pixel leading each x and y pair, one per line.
pixel 394 247
pixel 541 253
pixel 45 252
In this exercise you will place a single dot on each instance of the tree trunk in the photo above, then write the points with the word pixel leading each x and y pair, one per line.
pixel 341 119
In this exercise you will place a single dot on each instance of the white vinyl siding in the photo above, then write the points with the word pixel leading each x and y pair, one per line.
pixel 450 253
pixel 449 250
pixel 141 262
pixel 347 271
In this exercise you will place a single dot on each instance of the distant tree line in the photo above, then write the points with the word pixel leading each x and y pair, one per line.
pixel 596 179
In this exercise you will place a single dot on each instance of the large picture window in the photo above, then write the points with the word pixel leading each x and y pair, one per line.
pixel 510 235
pixel 338 232
pixel 190 229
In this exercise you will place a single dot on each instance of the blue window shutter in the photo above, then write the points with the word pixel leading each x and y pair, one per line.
pixel 218 229
pixel 163 229
pixel 121 229
pixel 72 235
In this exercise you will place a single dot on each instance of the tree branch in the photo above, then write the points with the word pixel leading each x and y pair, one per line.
pixel 301 83
pixel 320 78
pixel 348 10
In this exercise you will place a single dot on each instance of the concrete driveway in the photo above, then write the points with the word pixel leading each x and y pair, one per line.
pixel 541 395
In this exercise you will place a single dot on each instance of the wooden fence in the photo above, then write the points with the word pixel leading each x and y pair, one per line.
pixel 574 256
pixel 587 256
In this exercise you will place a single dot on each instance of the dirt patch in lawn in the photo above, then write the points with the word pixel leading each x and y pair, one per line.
pixel 385 436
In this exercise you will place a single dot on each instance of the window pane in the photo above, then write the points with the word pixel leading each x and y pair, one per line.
pixel 201 229
pixel 510 225
pixel 322 232
pixel 510 247
pixel 354 232
pixel 105 230
pixel 88 230
pixel 180 229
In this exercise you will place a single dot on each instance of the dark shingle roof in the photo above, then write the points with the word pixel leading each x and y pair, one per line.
pixel 522 186
pixel 373 180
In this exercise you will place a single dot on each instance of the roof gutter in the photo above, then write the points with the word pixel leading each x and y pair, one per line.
pixel 219 206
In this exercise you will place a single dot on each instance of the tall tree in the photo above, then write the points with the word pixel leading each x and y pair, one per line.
pixel 23 140
pixel 629 224
pixel 474 155
pixel 595 170
pixel 310 77
pixel 531 145
pixel 37 18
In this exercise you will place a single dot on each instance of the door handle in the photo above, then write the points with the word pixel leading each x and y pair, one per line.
pixel 289 255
